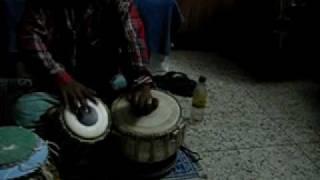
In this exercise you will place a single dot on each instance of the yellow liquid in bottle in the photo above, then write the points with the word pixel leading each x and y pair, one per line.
pixel 200 96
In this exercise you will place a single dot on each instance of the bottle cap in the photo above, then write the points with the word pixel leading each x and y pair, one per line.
pixel 202 79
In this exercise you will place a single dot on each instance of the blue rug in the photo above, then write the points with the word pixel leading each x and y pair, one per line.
pixel 186 168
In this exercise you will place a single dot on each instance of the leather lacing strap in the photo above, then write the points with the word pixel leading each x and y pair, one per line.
pixel 53 148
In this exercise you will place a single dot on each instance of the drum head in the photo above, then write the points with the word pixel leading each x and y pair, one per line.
pixel 92 131
pixel 161 121
pixel 18 141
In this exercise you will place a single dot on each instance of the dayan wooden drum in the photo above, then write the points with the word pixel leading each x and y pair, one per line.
pixel 151 138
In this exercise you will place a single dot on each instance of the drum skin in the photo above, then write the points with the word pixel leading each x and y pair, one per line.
pixel 33 166
pixel 87 134
pixel 152 138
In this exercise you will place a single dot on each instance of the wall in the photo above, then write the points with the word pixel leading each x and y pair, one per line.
pixel 245 30
pixel 199 14
pixel 224 23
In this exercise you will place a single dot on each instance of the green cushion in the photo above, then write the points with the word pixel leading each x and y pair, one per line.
pixel 30 107
pixel 16 145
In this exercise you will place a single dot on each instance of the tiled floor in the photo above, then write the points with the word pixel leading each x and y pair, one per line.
pixel 252 130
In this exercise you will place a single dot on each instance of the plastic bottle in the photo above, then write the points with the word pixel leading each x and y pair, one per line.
pixel 199 101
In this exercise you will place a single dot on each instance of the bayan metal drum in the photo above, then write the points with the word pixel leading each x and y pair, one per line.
pixel 23 155
pixel 152 138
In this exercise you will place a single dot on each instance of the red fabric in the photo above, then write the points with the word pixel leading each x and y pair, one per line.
pixel 140 31
pixel 63 78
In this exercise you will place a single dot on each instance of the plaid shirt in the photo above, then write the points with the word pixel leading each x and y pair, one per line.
pixel 36 33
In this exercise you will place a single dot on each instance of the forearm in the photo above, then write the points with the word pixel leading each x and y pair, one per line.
pixel 33 39
pixel 138 77
pixel 137 50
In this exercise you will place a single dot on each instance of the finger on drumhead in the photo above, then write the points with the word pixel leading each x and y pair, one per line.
pixel 151 106
pixel 90 94
pixel 74 103
pixel 65 100
pixel 91 91
pixel 83 104
pixel 73 107
pixel 129 97
pixel 136 98
pixel 90 97
pixel 155 103
pixel 150 100
pixel 142 102
pixel 82 100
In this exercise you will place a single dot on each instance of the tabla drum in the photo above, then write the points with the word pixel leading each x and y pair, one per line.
pixel 152 138
pixel 24 155
pixel 77 135
pixel 90 125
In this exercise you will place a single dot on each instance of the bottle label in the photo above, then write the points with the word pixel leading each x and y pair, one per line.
pixel 200 96
pixel 199 103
